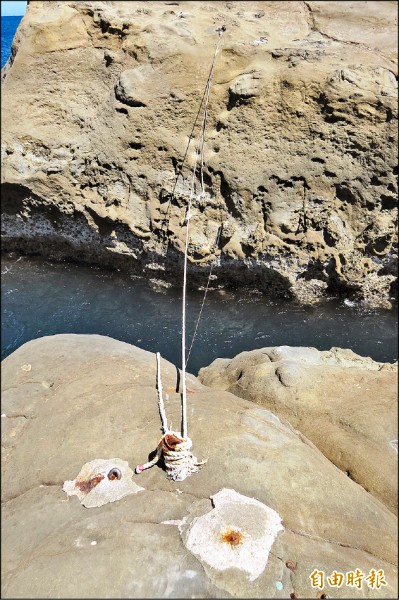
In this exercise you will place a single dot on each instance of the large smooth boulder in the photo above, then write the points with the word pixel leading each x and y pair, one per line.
pixel 98 103
pixel 71 399
pixel 346 404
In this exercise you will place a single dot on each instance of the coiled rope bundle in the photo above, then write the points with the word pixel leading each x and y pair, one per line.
pixel 173 448
pixel 176 453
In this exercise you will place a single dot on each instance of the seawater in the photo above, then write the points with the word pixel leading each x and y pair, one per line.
pixel 41 298
pixel 8 28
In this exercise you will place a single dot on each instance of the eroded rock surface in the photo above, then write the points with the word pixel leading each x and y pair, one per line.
pixel 98 103
pixel 344 403
pixel 86 397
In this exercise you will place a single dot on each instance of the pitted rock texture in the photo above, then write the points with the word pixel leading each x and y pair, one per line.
pixel 99 99
pixel 344 403
pixel 86 397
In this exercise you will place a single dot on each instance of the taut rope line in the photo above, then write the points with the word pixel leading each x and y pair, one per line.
pixel 203 300
pixel 200 145
pixel 173 447
pixel 221 30
pixel 190 137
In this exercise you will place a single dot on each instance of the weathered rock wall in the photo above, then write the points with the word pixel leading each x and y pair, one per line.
pixel 99 100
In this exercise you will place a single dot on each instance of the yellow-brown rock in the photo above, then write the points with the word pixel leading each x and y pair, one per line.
pixel 98 102
pixel 87 397
pixel 346 404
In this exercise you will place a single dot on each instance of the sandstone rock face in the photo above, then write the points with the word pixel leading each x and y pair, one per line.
pixel 344 403
pixel 70 399
pixel 100 98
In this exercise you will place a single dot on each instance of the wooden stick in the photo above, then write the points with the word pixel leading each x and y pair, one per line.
pixel 160 398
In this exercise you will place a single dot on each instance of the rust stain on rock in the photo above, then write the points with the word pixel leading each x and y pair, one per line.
pixel 232 537
pixel 87 486
pixel 291 565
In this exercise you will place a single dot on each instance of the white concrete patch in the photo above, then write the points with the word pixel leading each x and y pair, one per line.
pixel 101 481
pixel 394 444
pixel 238 533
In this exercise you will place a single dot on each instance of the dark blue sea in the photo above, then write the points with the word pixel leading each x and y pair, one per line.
pixel 40 298
pixel 8 28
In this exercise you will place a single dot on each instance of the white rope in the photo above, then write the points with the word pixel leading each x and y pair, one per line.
pixel 200 145
pixel 174 449
pixel 221 30
pixel 208 90
pixel 179 461
pixel 203 300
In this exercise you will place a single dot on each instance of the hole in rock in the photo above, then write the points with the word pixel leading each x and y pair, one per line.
pixel 114 474
pixel 232 537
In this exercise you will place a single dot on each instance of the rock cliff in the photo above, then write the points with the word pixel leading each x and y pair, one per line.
pixel 99 99
pixel 279 508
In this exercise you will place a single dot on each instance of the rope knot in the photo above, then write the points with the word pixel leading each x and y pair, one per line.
pixel 179 461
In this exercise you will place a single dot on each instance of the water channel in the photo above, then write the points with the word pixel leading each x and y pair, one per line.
pixel 40 298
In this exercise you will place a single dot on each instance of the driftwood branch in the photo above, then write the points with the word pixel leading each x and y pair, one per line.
pixel 160 396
